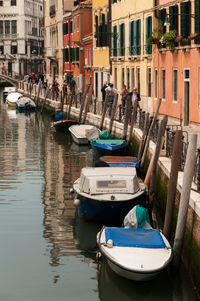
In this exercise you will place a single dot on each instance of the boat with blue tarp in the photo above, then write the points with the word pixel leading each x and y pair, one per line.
pixel 121 161
pixel 109 146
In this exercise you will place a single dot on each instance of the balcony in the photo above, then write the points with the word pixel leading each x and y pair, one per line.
pixel 51 52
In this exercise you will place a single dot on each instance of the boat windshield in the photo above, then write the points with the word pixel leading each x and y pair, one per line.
pixel 111 184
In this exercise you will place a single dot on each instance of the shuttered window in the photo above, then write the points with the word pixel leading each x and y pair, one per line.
pixel 173 18
pixel 197 16
pixel 138 37
pixel 185 19
pixel 131 38
pixel 77 53
pixel 97 30
pixel 71 54
pixel 121 39
pixel 65 28
pixel 65 55
pixel 115 40
pixel 161 18
pixel 148 33
pixel 70 27
pixel 104 31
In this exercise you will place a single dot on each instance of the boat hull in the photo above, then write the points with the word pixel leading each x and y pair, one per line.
pixel 63 125
pixel 108 211
pixel 109 150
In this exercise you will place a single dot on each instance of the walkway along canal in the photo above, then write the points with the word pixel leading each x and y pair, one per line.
pixel 47 252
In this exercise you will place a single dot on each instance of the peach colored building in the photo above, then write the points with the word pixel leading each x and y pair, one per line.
pixel 176 68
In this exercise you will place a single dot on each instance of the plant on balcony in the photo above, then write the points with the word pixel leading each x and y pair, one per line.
pixel 184 41
pixel 169 38
pixel 156 36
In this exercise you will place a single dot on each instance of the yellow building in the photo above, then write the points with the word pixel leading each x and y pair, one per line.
pixel 101 43
pixel 132 23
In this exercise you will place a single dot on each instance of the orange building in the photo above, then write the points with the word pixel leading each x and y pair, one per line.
pixel 176 60
pixel 81 26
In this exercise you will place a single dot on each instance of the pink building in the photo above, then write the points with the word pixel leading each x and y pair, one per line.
pixel 176 62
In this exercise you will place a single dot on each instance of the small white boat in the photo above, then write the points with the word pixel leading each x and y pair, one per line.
pixel 84 133
pixel 25 104
pixel 12 98
pixel 136 254
pixel 5 92
pixel 107 194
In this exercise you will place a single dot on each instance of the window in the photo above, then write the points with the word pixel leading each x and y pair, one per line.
pixel 77 53
pixel 122 81
pixel 138 80
pixel 77 20
pixel 1 49
pixel 173 18
pixel 148 34
pixel 163 83
pixel 13 2
pixel 185 19
pixel 7 27
pixel 70 27
pixel 132 77
pixel 149 81
pixel 65 55
pixel 115 77
pixel 114 40
pixel 1 3
pixel 14 49
pixel 122 39
pixel 155 83
pixel 65 28
pixel 137 37
pixel 128 78
pixel 96 23
pixel 175 73
pixel 14 26
pixel 1 27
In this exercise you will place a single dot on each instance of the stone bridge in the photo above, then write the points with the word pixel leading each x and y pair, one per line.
pixel 13 80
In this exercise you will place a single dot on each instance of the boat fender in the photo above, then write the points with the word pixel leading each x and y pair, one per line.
pixel 110 243
pixel 77 202
pixel 71 191
pixel 98 255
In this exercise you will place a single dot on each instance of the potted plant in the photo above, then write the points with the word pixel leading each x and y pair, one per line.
pixel 169 38
pixel 156 35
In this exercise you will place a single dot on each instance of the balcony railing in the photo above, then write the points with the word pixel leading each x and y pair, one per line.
pixel 51 52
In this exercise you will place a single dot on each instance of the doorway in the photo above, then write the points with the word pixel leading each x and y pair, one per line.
pixel 186 108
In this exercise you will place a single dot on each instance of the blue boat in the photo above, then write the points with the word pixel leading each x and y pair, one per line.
pixel 109 146
pixel 107 194
pixel 123 161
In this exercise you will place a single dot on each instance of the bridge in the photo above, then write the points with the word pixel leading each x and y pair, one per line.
pixel 13 80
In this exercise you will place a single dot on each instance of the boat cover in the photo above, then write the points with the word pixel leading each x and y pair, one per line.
pixel 110 141
pixel 120 161
pixel 140 238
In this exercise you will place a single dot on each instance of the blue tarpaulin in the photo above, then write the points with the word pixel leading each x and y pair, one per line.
pixel 141 238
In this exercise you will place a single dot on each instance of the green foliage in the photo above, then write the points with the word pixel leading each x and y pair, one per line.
pixel 169 38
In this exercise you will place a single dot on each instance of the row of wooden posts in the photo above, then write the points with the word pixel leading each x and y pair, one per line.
pixel 130 118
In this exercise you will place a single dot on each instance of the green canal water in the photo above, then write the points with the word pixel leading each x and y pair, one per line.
pixel 46 251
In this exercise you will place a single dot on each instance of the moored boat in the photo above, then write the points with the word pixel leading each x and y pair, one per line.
pixel 136 254
pixel 12 98
pixel 5 92
pixel 109 146
pixel 25 104
pixel 107 194
pixel 120 161
pixel 63 125
pixel 83 133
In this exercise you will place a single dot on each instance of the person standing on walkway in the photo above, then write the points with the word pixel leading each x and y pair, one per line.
pixel 3 70
pixel 55 88
pixel 103 91
pixel 111 95
pixel 135 96
pixel 123 94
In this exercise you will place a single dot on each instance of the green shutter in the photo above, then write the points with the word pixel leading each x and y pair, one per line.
pixel 197 16
pixel 138 37
pixel 135 38
pixel 130 37
pixel 97 30
pixel 115 40
pixel 121 39
pixel 185 19
pixel 77 53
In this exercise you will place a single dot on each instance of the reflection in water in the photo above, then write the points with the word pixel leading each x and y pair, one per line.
pixel 47 251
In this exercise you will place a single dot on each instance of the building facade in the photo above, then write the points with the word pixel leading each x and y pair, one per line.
pixel 131 56
pixel 101 44
pixel 77 26
pixel 177 61
pixel 21 36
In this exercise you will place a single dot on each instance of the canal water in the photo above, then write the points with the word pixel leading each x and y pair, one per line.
pixel 46 251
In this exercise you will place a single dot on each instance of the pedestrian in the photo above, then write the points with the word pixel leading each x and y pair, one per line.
pixel 55 88
pixel 46 84
pixel 3 70
pixel 111 95
pixel 103 91
pixel 123 94
pixel 135 96
pixel 72 85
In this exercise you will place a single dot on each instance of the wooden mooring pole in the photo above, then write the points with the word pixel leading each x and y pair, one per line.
pixel 185 197
pixel 82 103
pixel 144 135
pixel 150 132
pixel 127 116
pixel 133 118
pixel 171 191
pixel 113 112
pixel 88 99
pixel 105 106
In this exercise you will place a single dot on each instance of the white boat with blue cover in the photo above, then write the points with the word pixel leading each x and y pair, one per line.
pixel 107 194
pixel 109 146
pixel 136 254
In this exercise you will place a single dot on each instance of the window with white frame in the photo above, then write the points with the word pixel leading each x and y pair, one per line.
pixel 175 84
pixel 163 83
pixel 155 83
